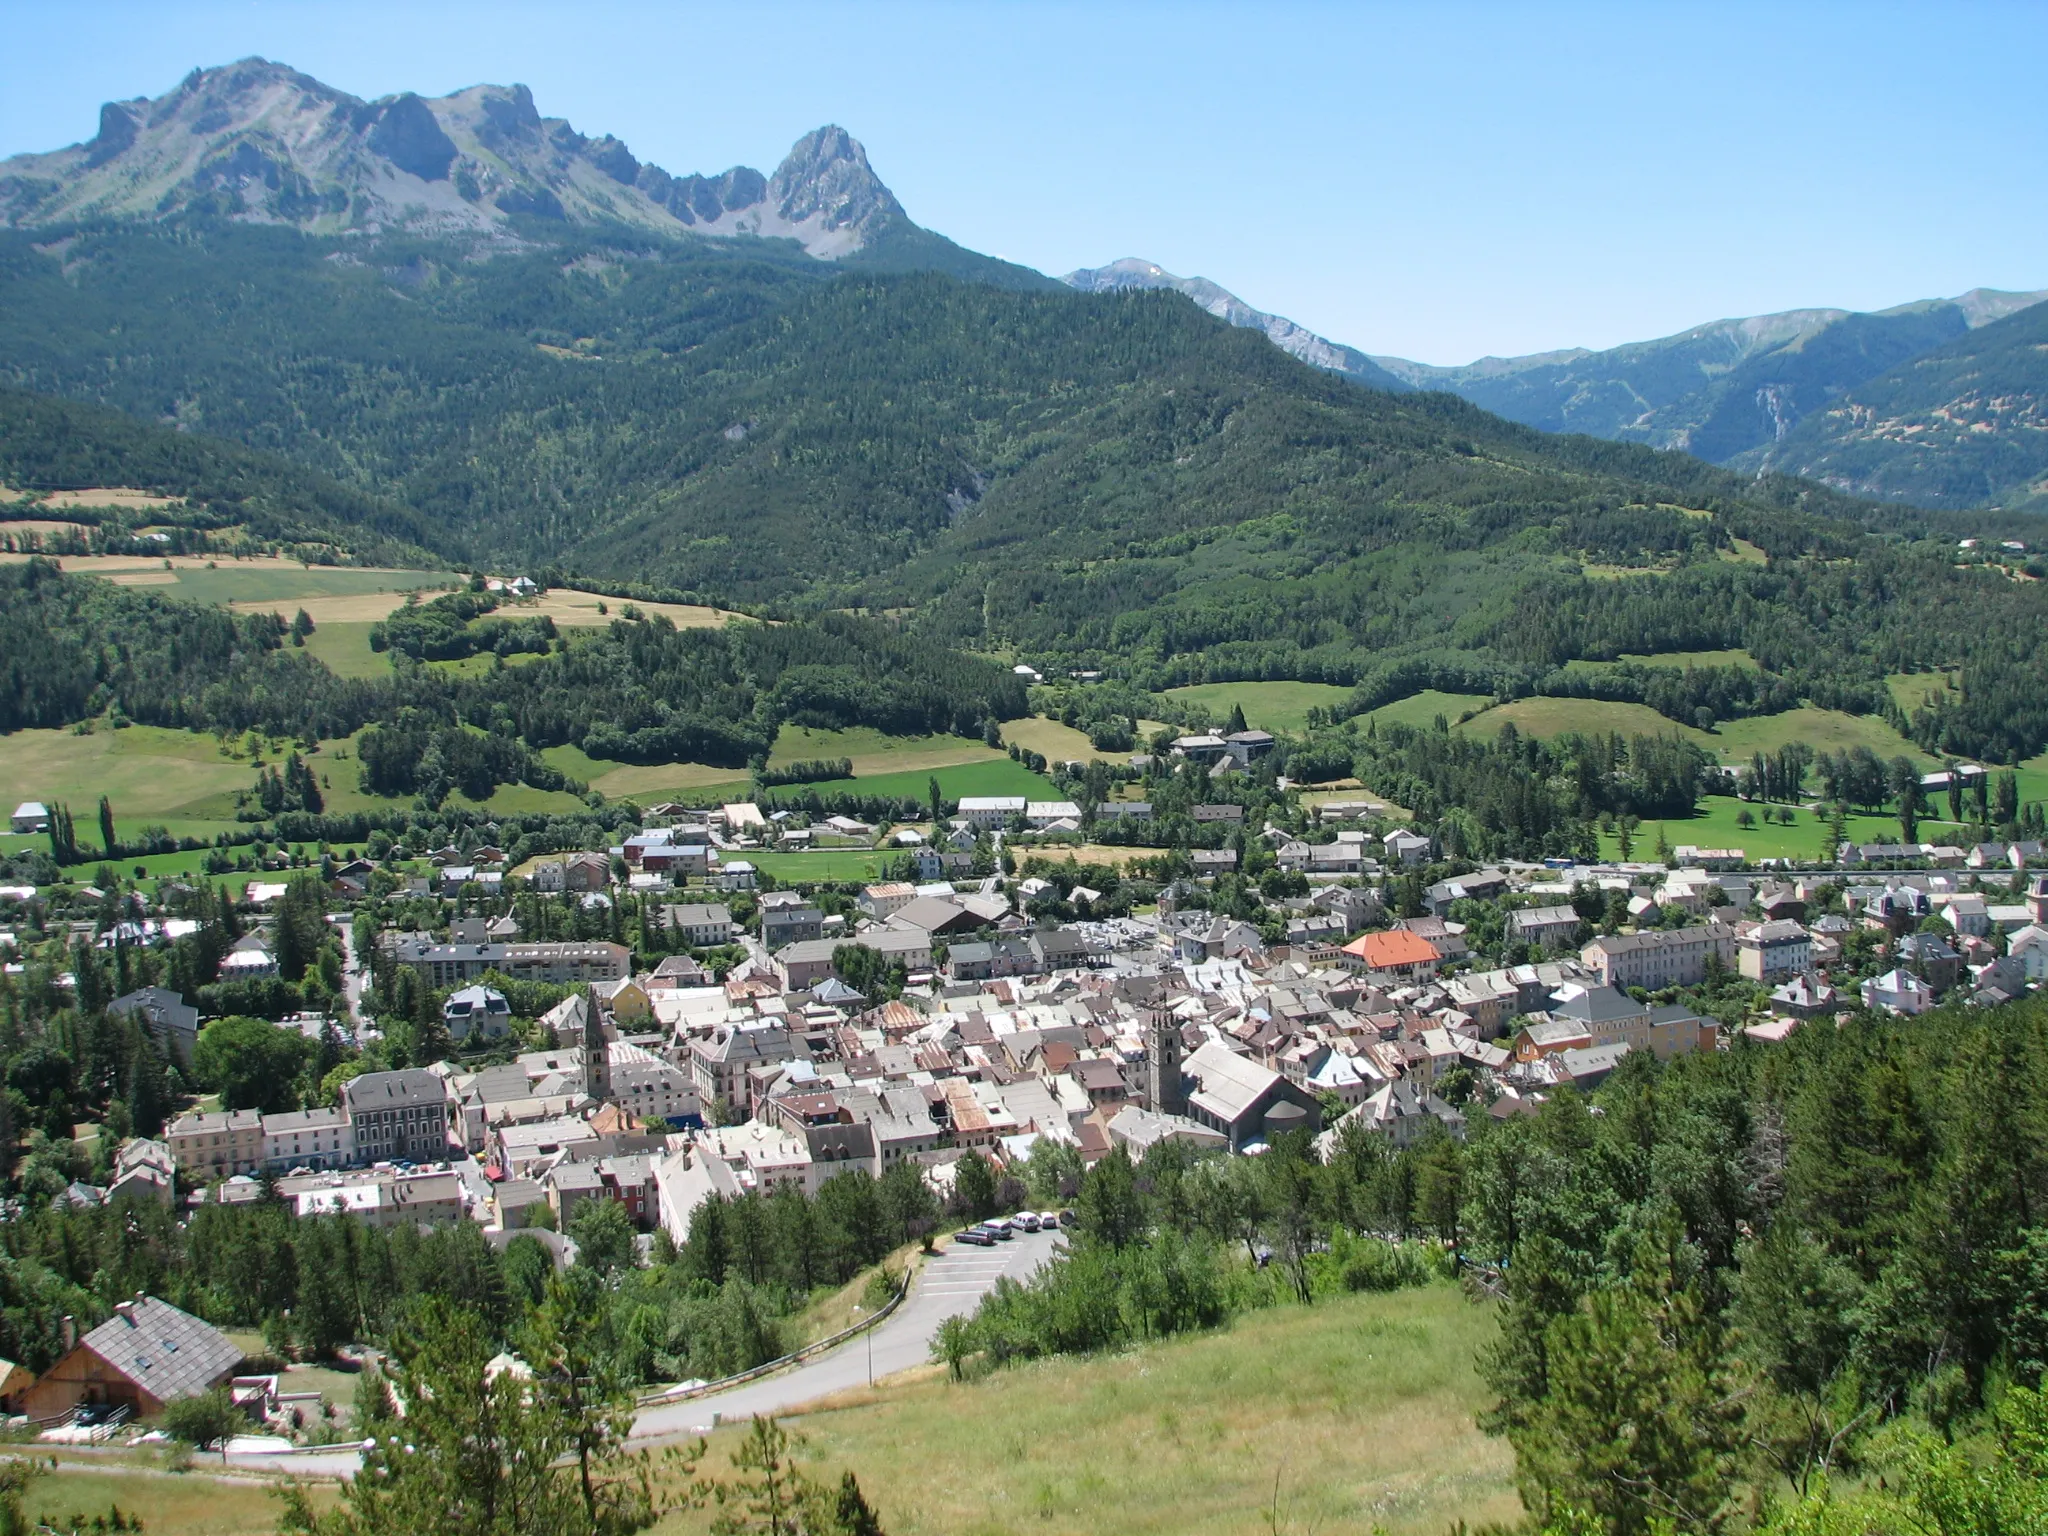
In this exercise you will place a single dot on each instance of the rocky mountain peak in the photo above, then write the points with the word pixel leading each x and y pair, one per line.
pixel 259 141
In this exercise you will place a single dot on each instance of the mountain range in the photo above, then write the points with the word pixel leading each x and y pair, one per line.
pixel 845 411
pixel 1909 403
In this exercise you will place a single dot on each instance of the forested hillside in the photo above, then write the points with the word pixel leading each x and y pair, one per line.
pixel 1964 425
pixel 49 444
pixel 1114 481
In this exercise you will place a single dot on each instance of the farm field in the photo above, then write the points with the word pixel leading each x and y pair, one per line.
pixel 873 753
pixel 1361 1407
pixel 1277 706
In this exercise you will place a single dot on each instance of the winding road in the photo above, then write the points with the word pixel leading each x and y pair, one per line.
pixel 952 1283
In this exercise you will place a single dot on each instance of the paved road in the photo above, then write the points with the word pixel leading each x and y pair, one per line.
pixel 952 1283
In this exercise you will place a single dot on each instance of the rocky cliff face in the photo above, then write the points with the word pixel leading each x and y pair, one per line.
pixel 1135 272
pixel 261 142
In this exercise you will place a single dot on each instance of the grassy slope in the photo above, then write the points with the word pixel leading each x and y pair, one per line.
pixel 1267 706
pixel 1825 730
pixel 1806 840
pixel 1363 1408
pixel 874 753
pixel 1421 709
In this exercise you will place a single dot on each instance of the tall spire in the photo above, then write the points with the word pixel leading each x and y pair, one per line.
pixel 597 1050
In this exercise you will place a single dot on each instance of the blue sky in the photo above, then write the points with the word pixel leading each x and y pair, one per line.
pixel 1437 181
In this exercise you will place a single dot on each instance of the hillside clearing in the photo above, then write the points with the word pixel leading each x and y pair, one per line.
pixel 1733 741
pixel 872 752
pixel 1267 706
pixel 1361 1407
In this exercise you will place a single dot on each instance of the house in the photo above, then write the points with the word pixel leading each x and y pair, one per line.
pixel 2029 946
pixel 1806 997
pixel 143 1170
pixel 1544 927
pixel 991 813
pixel 1040 815
pixel 1203 748
pixel 216 1144
pixel 719 1062
pixel 936 916
pixel 1124 810
pixel 307 1138
pixel 1395 955
pixel 1399 1112
pixel 573 872
pixel 883 901
pixel 479 1011
pixel 783 925
pixel 1217 815
pixel 1244 1101
pixel 1773 950
pixel 1213 861
pixel 1898 991
pixel 807 962
pixel 1405 847
pixel 147 1355
pixel 701 925
pixel 31 816
pixel 1139 1130
pixel 1932 959
pixel 172 1022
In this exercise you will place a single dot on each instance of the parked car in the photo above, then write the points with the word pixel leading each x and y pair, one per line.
pixel 1028 1220
pixel 998 1230
pixel 1066 1218
pixel 975 1237
pixel 1048 1221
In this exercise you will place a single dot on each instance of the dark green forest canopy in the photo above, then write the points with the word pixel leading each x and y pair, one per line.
pixel 1096 481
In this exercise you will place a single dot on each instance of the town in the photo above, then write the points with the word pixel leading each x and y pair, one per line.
pixel 465 1034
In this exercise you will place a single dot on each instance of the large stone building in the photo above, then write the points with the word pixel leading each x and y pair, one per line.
pixel 398 1116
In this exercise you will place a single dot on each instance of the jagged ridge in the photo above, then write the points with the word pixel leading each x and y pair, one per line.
pixel 261 142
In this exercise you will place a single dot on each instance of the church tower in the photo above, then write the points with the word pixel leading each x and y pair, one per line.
pixel 597 1050
pixel 1165 1089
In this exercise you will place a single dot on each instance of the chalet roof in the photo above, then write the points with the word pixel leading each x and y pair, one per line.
pixel 167 1353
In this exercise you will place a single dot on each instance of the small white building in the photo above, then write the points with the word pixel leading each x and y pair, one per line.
pixel 31 816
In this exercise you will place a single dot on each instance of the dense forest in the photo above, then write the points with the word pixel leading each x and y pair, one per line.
pixel 49 444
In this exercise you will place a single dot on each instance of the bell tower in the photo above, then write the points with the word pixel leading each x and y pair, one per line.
pixel 597 1051
pixel 1165 1090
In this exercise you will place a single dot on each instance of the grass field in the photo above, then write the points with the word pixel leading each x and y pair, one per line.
pixel 344 649
pixel 1808 839
pixel 171 1504
pixel 1055 742
pixel 1420 709
pixel 1679 659
pixel 149 773
pixel 1267 706
pixel 642 782
pixel 1910 690
pixel 823 864
pixel 1362 1408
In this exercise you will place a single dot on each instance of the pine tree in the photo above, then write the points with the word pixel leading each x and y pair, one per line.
pixel 107 829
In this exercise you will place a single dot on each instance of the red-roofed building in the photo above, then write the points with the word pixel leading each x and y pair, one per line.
pixel 1396 955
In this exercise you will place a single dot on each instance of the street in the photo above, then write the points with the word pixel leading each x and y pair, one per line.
pixel 953 1282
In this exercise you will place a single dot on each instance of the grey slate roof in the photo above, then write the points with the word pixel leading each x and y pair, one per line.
pixel 168 1353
